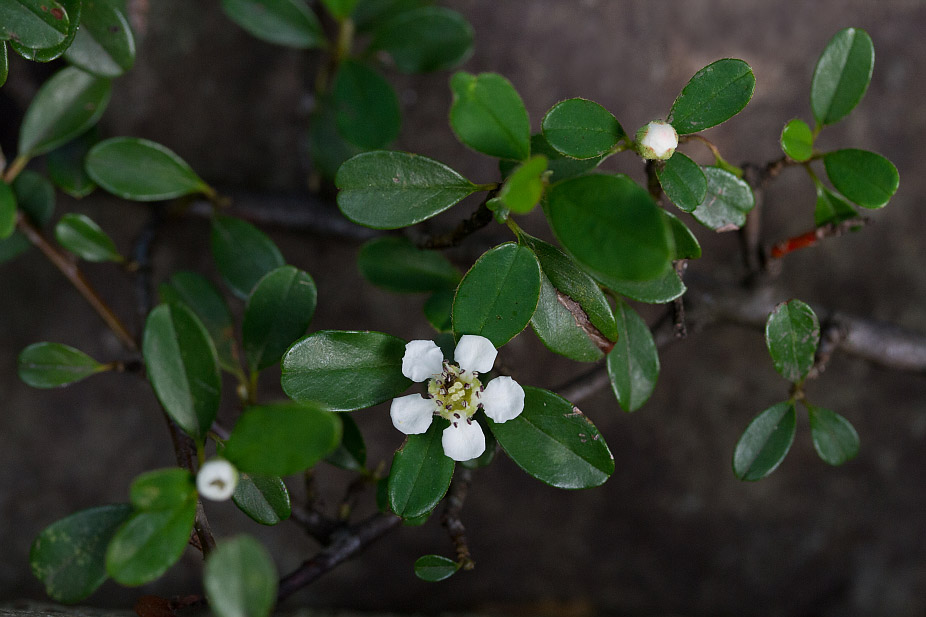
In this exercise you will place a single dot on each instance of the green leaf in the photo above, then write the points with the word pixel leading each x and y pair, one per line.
pixel 242 253
pixel 797 140
pixel 438 310
pixel 199 295
pixel 633 364
pixel 340 9
pixel 352 453
pixel 842 75
pixel 368 14
pixel 141 170
pixel 366 107
pixel 683 181
pixel 488 115
pixel 611 226
pixel 792 333
pixel 554 442
pixel 715 94
pixel 425 39
pixel 344 371
pixel 290 23
pixel 182 367
pixel 35 196
pixel 834 437
pixel 240 579
pixel 66 165
pixel 4 63
pixel 49 365
pixel 421 473
pixel 13 247
pixel 388 190
pixel 34 23
pixel 149 543
pixel 72 15
pixel 686 245
pixel 104 45
pixel 327 148
pixel 263 498
pixel 664 288
pixel 865 178
pixel 68 556
pixel 83 237
pixel 7 211
pixel 729 199
pixel 395 264
pixel 557 328
pixel 282 438
pixel 498 295
pixel 64 107
pixel 434 568
pixel 278 312
pixel 524 187
pixel 162 489
pixel 831 208
pixel 560 167
pixel 581 129
pixel 765 442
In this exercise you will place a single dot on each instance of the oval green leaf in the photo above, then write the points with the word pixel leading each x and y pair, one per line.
pixel 842 75
pixel 865 178
pixel 141 170
pixel 34 23
pixel 797 140
pixel 558 329
pixel 664 288
pixel 388 190
pixel 344 371
pixel 240 579
pixel 83 237
pixel 765 442
pixel 831 208
pixel 498 295
pixel 792 333
pixel 340 9
pixel 278 312
pixel 633 364
pixel 488 115
pixel 182 367
pixel 366 107
pixel 104 45
pixel 7 211
pixel 729 199
pixel 162 489
pixel 434 568
pixel 425 39
pixel 68 556
pixel 524 187
pixel 66 165
pixel 581 129
pixel 4 63
pixel 72 15
pixel 263 498
pixel 50 365
pixel 352 453
pixel 834 437
pixel 290 23
pixel 686 244
pixel 561 167
pixel 327 149
pixel 420 474
pixel 683 181
pixel 64 107
pixel 715 94
pixel 242 253
pixel 395 264
pixel 438 310
pixel 35 196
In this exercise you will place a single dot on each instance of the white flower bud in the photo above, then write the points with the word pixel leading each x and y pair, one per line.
pixel 657 140
pixel 217 480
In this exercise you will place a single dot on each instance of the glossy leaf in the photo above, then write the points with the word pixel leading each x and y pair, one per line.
pixel 420 474
pixel 340 9
pixel 438 310
pixel 683 181
pixel 498 295
pixel 434 568
pixel 792 333
pixel 842 75
pixel 633 364
pixel 162 489
pixel 425 39
pixel 834 437
pixel 35 196
pixel 865 178
pixel 664 288
pixel 7 211
pixel 66 165
pixel 83 237
pixel 395 264
pixel 765 442
pixel 344 371
pixel 240 579
pixel 729 199
pixel 242 253
pixel 560 167
pixel 34 23
pixel 554 442
pixel 282 438
pixel 715 94
pixel 524 187
pixel 104 45
pixel 557 328
pixel 686 245
pixel 388 190
pixel 488 115
pixel 366 107
pixel 50 365
pixel 277 314
pixel 68 556
pixel 182 367
pixel 72 15
pixel 581 129
pixel 4 63
pixel 797 140
pixel 352 453
pixel 141 170
pixel 64 107
pixel 263 498
pixel 149 543
pixel 290 23
pixel 831 208
pixel 368 14
pixel 611 226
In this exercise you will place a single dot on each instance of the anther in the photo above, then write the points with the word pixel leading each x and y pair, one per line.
pixel 457 416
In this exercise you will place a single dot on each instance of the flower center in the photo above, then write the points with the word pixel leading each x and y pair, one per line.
pixel 455 393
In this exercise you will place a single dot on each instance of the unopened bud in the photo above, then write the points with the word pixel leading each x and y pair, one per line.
pixel 217 480
pixel 657 140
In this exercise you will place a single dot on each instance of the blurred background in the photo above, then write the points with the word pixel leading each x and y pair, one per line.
pixel 672 532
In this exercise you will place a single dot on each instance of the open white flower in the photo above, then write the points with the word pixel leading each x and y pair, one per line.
pixel 657 140
pixel 455 393
pixel 217 479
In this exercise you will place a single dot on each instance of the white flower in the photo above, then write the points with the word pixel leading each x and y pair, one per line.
pixel 217 479
pixel 657 140
pixel 456 394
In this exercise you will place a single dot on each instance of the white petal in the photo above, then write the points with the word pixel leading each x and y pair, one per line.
pixel 422 359
pixel 475 353
pixel 412 414
pixel 217 480
pixel 503 399
pixel 464 441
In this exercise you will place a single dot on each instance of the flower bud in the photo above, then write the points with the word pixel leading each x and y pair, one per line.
pixel 217 479
pixel 657 140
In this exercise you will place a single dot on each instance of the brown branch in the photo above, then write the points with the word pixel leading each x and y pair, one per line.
pixel 476 221
pixel 451 518
pixel 812 237
pixel 678 305
pixel 316 524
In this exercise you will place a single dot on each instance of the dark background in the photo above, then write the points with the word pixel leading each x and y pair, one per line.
pixel 672 532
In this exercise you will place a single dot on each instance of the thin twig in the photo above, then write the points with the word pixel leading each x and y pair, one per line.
pixel 315 523
pixel 812 237
pixel 678 305
pixel 476 221
pixel 451 518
